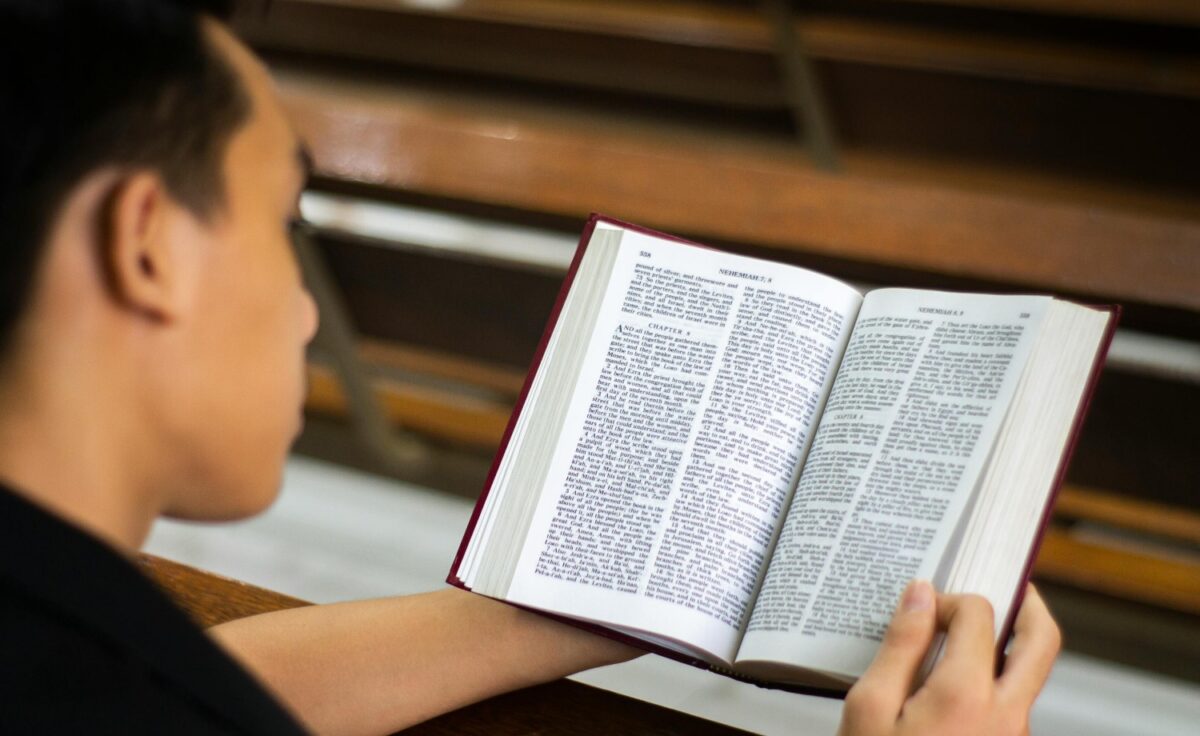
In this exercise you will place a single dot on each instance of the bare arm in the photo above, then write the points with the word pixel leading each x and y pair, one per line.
pixel 377 666
pixel 962 694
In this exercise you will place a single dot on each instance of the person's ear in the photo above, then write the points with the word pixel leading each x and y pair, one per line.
pixel 135 247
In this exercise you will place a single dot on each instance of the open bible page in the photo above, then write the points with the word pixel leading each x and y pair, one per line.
pixel 685 432
pixel 914 412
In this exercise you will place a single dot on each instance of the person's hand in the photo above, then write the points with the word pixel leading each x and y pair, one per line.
pixel 962 695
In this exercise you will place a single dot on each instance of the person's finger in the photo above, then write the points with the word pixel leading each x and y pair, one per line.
pixel 1036 641
pixel 969 652
pixel 880 693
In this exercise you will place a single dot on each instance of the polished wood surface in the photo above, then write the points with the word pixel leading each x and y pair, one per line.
pixel 1061 86
pixel 1151 11
pixel 709 21
pixel 989 53
pixel 212 599
pixel 561 707
pixel 367 29
pixel 436 413
pixel 1126 570
pixel 736 196
pixel 499 379
pixel 709 62
pixel 1138 515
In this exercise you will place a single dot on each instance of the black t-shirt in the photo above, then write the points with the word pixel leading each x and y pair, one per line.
pixel 89 645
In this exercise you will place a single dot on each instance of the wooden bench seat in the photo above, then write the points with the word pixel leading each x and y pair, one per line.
pixel 1097 90
pixel 871 227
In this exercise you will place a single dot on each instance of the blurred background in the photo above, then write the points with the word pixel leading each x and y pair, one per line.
pixel 1000 145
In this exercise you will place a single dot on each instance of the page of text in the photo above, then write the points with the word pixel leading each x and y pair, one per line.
pixel 683 440
pixel 913 414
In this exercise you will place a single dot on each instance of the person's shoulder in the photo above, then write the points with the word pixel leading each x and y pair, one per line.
pixel 91 645
pixel 57 676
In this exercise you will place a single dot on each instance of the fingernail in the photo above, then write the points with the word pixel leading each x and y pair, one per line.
pixel 918 596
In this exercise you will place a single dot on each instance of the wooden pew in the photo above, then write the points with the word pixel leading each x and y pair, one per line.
pixel 1068 144
pixel 370 29
pixel 1042 85
pixel 859 225
pixel 562 707
pixel 866 227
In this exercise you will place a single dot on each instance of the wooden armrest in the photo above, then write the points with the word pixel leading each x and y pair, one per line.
pixel 561 707
pixel 211 599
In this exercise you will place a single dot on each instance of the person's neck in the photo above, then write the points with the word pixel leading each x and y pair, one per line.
pixel 69 445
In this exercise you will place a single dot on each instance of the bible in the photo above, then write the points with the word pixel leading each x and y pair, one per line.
pixel 740 464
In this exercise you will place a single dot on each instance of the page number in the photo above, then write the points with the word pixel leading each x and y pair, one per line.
pixel 644 254
pixel 1024 315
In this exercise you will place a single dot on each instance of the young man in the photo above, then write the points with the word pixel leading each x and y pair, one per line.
pixel 152 331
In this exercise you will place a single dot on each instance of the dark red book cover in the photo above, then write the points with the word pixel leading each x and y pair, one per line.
pixel 568 281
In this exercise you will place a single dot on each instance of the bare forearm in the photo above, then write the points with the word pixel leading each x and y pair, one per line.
pixel 373 667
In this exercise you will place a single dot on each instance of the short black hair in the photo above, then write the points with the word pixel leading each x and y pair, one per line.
pixel 86 84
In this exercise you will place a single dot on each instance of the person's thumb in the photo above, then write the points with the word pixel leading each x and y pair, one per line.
pixel 886 684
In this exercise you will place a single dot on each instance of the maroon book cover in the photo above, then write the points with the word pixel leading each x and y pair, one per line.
pixel 568 281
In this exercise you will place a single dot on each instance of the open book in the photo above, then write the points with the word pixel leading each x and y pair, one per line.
pixel 740 464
